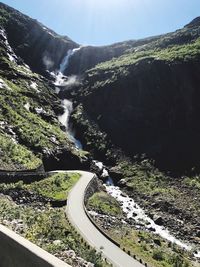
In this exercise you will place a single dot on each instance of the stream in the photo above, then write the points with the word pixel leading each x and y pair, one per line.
pixel 128 205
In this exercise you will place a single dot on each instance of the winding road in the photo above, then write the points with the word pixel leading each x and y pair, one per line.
pixel 78 218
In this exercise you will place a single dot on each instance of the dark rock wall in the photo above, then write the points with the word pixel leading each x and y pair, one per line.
pixel 154 110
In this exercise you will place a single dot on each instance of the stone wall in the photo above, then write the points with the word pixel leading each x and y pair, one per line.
pixel 93 187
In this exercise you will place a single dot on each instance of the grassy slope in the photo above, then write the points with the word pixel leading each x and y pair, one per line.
pixel 38 132
pixel 42 225
pixel 56 187
pixel 165 49
pixel 104 204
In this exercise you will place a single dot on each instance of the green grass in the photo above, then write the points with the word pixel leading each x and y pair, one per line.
pixel 106 73
pixel 193 182
pixel 15 156
pixel 104 203
pixel 56 187
pixel 176 52
pixel 43 226
pixel 37 133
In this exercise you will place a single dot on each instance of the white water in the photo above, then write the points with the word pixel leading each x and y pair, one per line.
pixel 102 169
pixel 67 104
pixel 60 78
pixel 128 205
pixel 64 118
pixel 133 210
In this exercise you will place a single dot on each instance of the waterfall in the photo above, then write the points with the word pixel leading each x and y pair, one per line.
pixel 103 172
pixel 65 62
pixel 63 66
pixel 128 205
pixel 64 118
pixel 67 104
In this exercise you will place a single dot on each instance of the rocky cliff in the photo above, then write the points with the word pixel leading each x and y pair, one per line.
pixel 147 100
pixel 41 48
pixel 30 132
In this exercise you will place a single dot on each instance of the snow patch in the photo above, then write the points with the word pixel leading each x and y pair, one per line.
pixel 11 58
pixel 11 55
pixel 3 85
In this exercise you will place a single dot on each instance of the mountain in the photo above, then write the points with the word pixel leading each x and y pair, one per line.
pixel 30 133
pixel 147 100
pixel 142 98
pixel 42 49
pixel 133 105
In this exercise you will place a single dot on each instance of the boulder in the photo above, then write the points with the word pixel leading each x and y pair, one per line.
pixel 158 219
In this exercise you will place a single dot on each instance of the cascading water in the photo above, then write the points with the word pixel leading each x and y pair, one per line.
pixel 67 105
pixel 63 66
pixel 132 209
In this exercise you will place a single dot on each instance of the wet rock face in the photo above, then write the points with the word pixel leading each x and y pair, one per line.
pixel 153 110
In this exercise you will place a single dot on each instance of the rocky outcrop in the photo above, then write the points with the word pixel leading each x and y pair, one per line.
pixel 63 159
pixel 194 23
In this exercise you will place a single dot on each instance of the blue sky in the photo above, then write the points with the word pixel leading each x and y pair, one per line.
pixel 100 22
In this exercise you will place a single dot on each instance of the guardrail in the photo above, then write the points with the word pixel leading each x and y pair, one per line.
pixel 16 251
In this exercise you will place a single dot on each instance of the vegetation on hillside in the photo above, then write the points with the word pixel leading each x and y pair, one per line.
pixel 56 186
pixel 43 225
pixel 15 156
pixel 173 53
pixel 105 204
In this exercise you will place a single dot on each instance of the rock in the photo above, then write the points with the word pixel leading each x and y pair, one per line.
pixel 151 229
pixel 157 242
pixel 70 254
pixel 122 182
pixel 57 242
pixel 198 234
pixel 123 194
pixel 158 220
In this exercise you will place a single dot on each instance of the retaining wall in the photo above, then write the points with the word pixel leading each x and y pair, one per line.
pixel 92 188
pixel 16 251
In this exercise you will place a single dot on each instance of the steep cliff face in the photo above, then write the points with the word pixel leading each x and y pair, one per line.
pixel 29 128
pixel 153 110
pixel 41 48
pixel 147 101
pixel 89 56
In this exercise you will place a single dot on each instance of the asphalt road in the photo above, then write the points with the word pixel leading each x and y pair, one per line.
pixel 77 216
